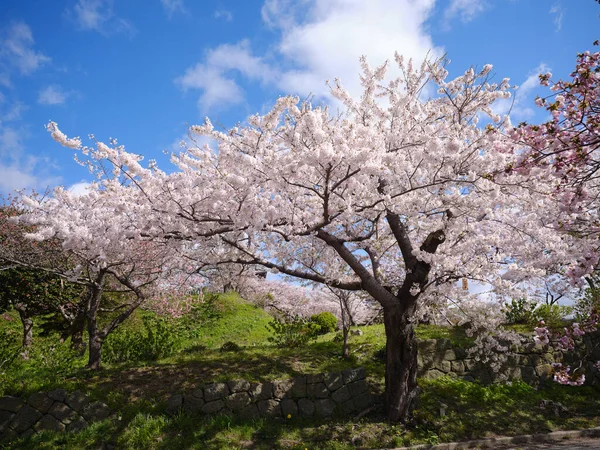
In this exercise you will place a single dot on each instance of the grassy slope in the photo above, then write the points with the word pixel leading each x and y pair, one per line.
pixel 137 392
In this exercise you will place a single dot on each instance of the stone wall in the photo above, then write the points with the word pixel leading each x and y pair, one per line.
pixel 529 362
pixel 322 395
pixel 57 411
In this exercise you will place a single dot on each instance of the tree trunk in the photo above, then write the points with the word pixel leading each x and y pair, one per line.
pixel 76 330
pixel 401 388
pixel 95 353
pixel 95 336
pixel 27 322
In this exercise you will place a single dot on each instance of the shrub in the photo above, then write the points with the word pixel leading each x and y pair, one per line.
pixel 326 321
pixel 292 331
pixel 230 347
pixel 520 312
pixel 157 340
pixel 553 315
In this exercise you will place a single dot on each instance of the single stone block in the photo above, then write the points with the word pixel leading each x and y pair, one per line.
pixel 58 395
pixel 238 401
pixel 458 367
pixel 348 407
pixel 306 408
pixel 8 435
pixel 77 425
pixel 363 401
pixel 443 344
pixel 289 407
pixel 470 364
pixel 333 381
pixel 25 418
pixel 261 391
pixel 528 374
pixel 357 388
pixel 198 393
pixel 192 404
pixel 299 387
pixel 5 418
pixel 341 395
pixel 238 385
pixel 426 346
pixel 215 391
pixel 11 404
pixel 468 378
pixel 77 400
pixel 62 412
pixel 269 408
pixel 324 407
pixel 49 423
pixel 249 412
pixel 449 355
pixel 213 407
pixel 96 411
pixel 544 370
pixel 351 375
pixel 174 404
pixel 433 374
pixel 317 390
pixel 40 401
pixel 315 378
pixel 282 388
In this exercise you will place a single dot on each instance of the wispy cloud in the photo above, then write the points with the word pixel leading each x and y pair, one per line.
pixel 98 15
pixel 557 11
pixel 521 106
pixel 173 6
pixel 314 44
pixel 17 52
pixel 215 76
pixel 52 95
pixel 465 10
pixel 224 14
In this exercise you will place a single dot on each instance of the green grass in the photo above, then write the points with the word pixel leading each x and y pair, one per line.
pixel 137 390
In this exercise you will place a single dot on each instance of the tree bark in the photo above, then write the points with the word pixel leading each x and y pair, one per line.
pixel 76 330
pixel 27 322
pixel 401 388
pixel 96 337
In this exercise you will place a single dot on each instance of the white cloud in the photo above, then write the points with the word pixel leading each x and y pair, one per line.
pixel 223 14
pixel 98 15
pixel 17 52
pixel 318 40
pixel 52 95
pixel 80 188
pixel 558 13
pixel 11 142
pixel 521 106
pixel 173 6
pixel 214 76
pixel 466 10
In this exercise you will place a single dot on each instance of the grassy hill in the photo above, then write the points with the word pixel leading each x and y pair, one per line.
pixel 226 338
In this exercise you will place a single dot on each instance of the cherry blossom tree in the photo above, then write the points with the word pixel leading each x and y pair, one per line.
pixel 402 194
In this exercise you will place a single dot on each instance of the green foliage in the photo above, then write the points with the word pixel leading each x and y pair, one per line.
pixel 552 315
pixel 9 348
pixel 590 302
pixel 524 312
pixel 519 312
pixel 156 340
pixel 326 321
pixel 292 331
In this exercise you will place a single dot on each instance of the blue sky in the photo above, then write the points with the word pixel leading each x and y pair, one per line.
pixel 142 71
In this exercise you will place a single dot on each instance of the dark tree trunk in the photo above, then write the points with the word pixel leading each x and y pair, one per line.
pixel 401 388
pixel 95 353
pixel 95 336
pixel 27 322
pixel 76 330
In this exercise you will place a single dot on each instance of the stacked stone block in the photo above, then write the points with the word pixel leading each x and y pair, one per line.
pixel 529 362
pixel 322 395
pixel 56 411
